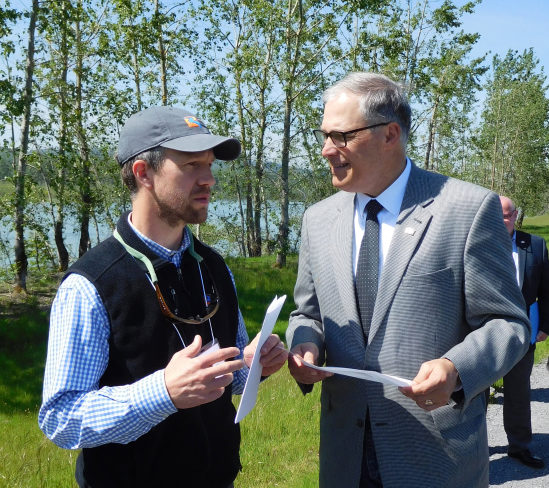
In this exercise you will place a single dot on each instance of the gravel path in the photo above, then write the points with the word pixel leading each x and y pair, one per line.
pixel 504 471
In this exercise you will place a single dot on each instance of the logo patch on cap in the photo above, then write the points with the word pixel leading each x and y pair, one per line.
pixel 193 122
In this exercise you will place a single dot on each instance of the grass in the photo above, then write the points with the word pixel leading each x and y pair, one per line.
pixel 538 225
pixel 27 458
pixel 5 187
pixel 279 437
pixel 258 281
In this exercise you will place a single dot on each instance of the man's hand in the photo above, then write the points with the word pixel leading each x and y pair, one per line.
pixel 308 351
pixel 273 354
pixel 193 380
pixel 433 385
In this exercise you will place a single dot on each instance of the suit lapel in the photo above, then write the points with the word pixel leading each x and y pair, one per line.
pixel 342 247
pixel 411 224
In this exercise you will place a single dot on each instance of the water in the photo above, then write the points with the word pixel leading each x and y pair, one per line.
pixel 223 214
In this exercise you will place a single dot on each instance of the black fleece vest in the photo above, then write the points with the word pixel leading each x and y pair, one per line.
pixel 197 447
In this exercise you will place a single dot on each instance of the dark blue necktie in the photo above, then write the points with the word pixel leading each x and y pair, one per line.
pixel 368 266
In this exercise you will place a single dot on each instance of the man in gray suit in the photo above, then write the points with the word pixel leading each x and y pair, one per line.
pixel 448 312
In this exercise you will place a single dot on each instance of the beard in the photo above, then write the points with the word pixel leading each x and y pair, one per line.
pixel 176 209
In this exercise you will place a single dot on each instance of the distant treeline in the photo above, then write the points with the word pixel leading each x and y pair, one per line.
pixel 71 72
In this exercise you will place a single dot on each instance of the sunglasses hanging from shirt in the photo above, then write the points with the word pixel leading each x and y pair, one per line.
pixel 211 301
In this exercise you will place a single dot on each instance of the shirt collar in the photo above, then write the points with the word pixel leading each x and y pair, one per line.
pixel 168 254
pixel 391 198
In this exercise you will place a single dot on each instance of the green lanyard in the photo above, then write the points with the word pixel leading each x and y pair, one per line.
pixel 146 261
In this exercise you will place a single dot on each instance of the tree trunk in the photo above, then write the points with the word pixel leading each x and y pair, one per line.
pixel 257 242
pixel 62 253
pixel 259 163
pixel 245 216
pixel 21 261
pixel 162 54
pixel 495 151
pixel 283 228
pixel 431 137
pixel 85 187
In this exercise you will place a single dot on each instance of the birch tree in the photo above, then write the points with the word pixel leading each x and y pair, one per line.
pixel 514 137
pixel 21 261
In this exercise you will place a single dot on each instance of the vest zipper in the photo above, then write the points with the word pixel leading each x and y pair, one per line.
pixel 172 291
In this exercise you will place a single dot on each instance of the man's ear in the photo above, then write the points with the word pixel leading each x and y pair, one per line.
pixel 142 173
pixel 392 134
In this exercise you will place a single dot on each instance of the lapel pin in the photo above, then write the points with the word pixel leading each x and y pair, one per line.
pixel 409 231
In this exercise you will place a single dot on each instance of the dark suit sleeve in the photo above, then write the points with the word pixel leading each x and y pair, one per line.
pixel 543 287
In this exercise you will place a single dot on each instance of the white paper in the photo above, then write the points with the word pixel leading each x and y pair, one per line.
pixel 249 395
pixel 363 374
pixel 210 348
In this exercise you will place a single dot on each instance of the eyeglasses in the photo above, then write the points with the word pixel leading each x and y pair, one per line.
pixel 211 301
pixel 340 138
pixel 211 308
pixel 509 215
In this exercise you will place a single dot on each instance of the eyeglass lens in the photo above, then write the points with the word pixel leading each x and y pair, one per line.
pixel 338 138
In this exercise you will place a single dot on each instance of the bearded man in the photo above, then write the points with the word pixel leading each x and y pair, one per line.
pixel 147 342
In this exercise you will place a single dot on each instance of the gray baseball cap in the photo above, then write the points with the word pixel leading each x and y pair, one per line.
pixel 173 128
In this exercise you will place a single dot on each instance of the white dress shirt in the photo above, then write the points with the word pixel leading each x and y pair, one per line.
pixel 391 199
pixel 515 255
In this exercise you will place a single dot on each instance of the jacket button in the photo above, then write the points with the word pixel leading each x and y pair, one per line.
pixel 360 423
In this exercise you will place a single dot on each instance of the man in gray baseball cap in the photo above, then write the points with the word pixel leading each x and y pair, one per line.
pixel 147 342
pixel 172 128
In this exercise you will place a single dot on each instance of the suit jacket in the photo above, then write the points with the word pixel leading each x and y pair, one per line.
pixel 533 271
pixel 447 289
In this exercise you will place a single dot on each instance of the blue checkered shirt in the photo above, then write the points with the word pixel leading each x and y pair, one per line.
pixel 75 412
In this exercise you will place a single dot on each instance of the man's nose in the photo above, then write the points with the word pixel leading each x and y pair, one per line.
pixel 207 177
pixel 329 148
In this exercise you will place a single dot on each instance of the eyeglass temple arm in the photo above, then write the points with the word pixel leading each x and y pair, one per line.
pixel 163 306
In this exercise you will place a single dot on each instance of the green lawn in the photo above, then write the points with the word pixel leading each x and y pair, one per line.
pixel 279 437
pixel 5 187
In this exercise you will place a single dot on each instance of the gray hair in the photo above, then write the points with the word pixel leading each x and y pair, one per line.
pixel 381 99
pixel 154 157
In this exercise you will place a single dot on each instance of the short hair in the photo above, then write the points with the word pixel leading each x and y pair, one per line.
pixel 154 157
pixel 381 99
pixel 511 203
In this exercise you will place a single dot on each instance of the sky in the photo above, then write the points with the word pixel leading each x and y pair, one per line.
pixel 510 24
pixel 502 24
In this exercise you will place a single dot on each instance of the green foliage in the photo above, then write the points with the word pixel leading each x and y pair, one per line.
pixel 11 104
pixel 422 44
pixel 514 136
pixel 254 70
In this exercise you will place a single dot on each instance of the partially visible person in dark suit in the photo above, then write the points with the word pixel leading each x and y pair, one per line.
pixel 530 256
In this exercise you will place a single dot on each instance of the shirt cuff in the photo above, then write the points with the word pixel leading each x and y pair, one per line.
pixel 151 399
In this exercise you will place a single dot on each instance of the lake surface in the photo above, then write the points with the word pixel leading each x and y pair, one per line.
pixel 220 214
